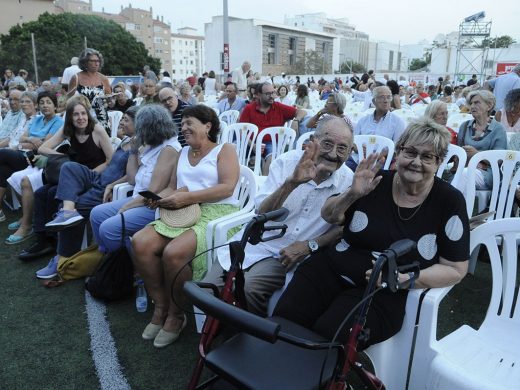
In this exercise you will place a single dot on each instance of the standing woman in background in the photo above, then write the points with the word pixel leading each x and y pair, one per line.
pixel 92 84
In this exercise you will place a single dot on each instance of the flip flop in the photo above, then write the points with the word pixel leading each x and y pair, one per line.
pixel 16 239
pixel 14 225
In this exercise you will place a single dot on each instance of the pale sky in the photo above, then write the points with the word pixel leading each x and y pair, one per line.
pixel 407 21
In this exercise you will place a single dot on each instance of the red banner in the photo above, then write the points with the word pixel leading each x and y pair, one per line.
pixel 226 57
pixel 505 67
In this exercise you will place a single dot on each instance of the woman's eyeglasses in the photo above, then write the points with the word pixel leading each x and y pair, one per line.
pixel 412 153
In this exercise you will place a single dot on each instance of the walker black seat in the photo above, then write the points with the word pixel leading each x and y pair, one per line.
pixel 250 363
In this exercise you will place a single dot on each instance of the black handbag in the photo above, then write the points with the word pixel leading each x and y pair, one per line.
pixel 114 278
pixel 51 172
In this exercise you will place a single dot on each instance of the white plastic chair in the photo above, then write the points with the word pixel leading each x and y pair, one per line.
pixel 405 114
pixel 419 109
pixel 122 190
pixel 282 139
pixel 502 195
pixel 222 132
pixel 455 120
pixel 454 150
pixel 245 192
pixel 302 139
pixel 505 179
pixel 229 116
pixel 138 100
pixel 243 135
pixel 484 358
pixel 368 144
pixel 217 230
pixel 114 117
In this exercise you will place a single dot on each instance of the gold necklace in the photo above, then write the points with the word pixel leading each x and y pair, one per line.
pixel 417 208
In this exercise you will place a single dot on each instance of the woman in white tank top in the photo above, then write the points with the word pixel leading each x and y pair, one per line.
pixel 210 174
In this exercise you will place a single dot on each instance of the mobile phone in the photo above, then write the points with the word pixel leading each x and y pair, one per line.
pixel 30 156
pixel 149 195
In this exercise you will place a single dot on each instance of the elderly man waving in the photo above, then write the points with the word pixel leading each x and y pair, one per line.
pixel 300 181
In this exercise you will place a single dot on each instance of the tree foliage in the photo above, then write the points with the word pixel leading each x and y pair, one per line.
pixel 60 37
pixel 503 41
pixel 418 64
pixel 312 63
pixel 350 66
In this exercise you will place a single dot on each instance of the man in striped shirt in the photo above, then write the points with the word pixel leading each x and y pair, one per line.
pixel 169 100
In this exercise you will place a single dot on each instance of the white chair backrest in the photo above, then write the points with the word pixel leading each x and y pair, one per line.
pixel 302 139
pixel 454 121
pixel 222 132
pixel 367 144
pixel 419 109
pixel 243 135
pixel 229 116
pixel 505 179
pixel 405 114
pixel 454 150
pixel 114 117
pixel 245 190
pixel 282 140
pixel 138 100
pixel 503 254
pixel 355 106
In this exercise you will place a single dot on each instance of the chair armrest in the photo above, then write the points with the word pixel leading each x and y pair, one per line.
pixel 217 233
pixel 121 190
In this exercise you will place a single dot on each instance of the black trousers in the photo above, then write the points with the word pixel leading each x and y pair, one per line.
pixel 319 298
pixel 11 161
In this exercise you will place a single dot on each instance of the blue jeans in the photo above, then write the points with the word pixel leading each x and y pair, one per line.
pixel 106 223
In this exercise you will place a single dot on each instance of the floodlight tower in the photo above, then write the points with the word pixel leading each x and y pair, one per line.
pixel 471 54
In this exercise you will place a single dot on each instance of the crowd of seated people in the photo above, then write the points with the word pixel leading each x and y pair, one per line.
pixel 169 147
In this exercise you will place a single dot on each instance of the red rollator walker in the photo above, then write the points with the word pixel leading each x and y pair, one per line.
pixel 274 353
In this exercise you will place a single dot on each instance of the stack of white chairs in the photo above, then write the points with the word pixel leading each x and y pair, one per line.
pixel 483 358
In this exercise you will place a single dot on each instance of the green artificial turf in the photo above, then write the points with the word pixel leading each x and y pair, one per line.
pixel 45 344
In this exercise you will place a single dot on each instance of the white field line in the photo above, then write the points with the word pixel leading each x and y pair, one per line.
pixel 102 345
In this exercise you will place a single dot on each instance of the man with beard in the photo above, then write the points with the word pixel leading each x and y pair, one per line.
pixel 300 181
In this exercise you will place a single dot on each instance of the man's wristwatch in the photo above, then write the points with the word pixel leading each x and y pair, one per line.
pixel 313 246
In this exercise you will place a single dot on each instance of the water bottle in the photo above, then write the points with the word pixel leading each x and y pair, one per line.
pixel 141 300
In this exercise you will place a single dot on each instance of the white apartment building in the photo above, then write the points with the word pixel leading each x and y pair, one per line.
pixel 271 48
pixel 188 53
pixel 349 44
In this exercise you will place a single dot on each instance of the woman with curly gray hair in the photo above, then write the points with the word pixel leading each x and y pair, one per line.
pixel 152 158
pixel 92 84
pixel 335 105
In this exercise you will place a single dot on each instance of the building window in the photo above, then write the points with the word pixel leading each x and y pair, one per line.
pixel 398 60
pixel 158 40
pixel 291 59
pixel 270 58
pixel 185 43
pixel 292 43
pixel 173 71
pixel 191 62
pixel 272 41
pixel 180 62
pixel 130 26
pixel 391 60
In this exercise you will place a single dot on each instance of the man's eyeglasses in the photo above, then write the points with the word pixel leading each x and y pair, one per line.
pixel 167 100
pixel 412 153
pixel 327 147
pixel 384 98
pixel 269 93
